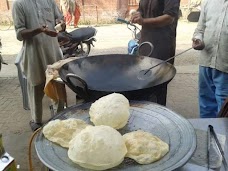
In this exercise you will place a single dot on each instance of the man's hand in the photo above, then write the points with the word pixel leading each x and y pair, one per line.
pixel 48 32
pixel 137 18
pixel 63 24
pixel 51 33
pixel 29 33
pixel 197 44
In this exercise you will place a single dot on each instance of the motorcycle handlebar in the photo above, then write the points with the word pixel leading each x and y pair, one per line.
pixel 129 23
pixel 123 21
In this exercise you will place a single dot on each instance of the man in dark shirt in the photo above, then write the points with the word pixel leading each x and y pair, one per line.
pixel 159 22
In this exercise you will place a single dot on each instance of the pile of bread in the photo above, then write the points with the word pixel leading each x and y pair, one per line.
pixel 101 147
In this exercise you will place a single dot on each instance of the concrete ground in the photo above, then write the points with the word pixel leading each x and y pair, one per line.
pixel 182 90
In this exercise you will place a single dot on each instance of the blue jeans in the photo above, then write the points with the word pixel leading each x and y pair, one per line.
pixel 213 90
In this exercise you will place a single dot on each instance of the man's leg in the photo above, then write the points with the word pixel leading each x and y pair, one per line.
pixel 207 100
pixel 221 83
pixel 36 94
pixel 161 94
pixel 76 20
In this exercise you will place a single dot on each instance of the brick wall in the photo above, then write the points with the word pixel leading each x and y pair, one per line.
pixel 105 5
pixel 3 5
pixel 91 10
pixel 103 10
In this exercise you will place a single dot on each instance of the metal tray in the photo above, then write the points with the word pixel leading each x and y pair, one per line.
pixel 160 121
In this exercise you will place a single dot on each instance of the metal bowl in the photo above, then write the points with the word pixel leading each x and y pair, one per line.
pixel 158 120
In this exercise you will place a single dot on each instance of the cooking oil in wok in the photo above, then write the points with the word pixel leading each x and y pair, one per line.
pixel 144 74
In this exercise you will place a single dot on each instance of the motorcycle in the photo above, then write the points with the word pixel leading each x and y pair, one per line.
pixel 134 47
pixel 1 58
pixel 78 42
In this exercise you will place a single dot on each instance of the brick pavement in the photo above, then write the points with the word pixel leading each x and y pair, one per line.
pixel 182 90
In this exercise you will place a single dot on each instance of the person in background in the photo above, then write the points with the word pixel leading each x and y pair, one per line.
pixel 71 12
pixel 77 14
pixel 158 19
pixel 34 23
pixel 211 37
pixel 64 7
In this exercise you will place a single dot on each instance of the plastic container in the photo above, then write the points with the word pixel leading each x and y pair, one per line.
pixel 23 80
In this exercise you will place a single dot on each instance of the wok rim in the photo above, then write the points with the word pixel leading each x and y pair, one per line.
pixel 90 88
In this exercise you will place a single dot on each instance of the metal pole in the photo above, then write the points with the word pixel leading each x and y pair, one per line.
pixel 83 9
pixel 97 14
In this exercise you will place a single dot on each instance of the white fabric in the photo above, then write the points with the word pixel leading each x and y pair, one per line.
pixel 212 29
pixel 41 50
pixel 35 96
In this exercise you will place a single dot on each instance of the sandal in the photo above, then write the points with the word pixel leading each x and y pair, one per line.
pixel 34 126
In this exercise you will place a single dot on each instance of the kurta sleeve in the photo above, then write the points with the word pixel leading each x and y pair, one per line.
pixel 140 9
pixel 199 31
pixel 18 19
pixel 58 14
pixel 171 7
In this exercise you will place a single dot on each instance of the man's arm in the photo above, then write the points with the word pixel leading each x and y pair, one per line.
pixel 160 21
pixel 199 31
pixel 197 39
pixel 20 24
pixel 171 11
pixel 59 18
pixel 18 19
pixel 57 13
pixel 29 33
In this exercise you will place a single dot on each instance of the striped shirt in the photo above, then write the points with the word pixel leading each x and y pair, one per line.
pixel 213 30
pixel 41 50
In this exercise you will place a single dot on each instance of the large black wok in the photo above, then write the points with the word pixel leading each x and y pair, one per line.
pixel 95 76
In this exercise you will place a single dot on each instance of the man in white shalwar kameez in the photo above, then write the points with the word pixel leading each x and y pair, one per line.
pixel 34 22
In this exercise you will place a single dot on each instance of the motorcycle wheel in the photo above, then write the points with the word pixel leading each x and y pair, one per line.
pixel 83 49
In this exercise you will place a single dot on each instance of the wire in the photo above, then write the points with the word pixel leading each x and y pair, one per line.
pixel 30 149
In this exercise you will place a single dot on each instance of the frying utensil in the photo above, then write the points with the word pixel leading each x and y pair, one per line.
pixel 96 76
pixel 143 74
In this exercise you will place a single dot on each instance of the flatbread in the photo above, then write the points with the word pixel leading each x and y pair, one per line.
pixel 62 131
pixel 144 147
pixel 111 110
pixel 97 148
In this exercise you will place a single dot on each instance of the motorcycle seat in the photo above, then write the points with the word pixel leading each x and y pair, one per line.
pixel 83 33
